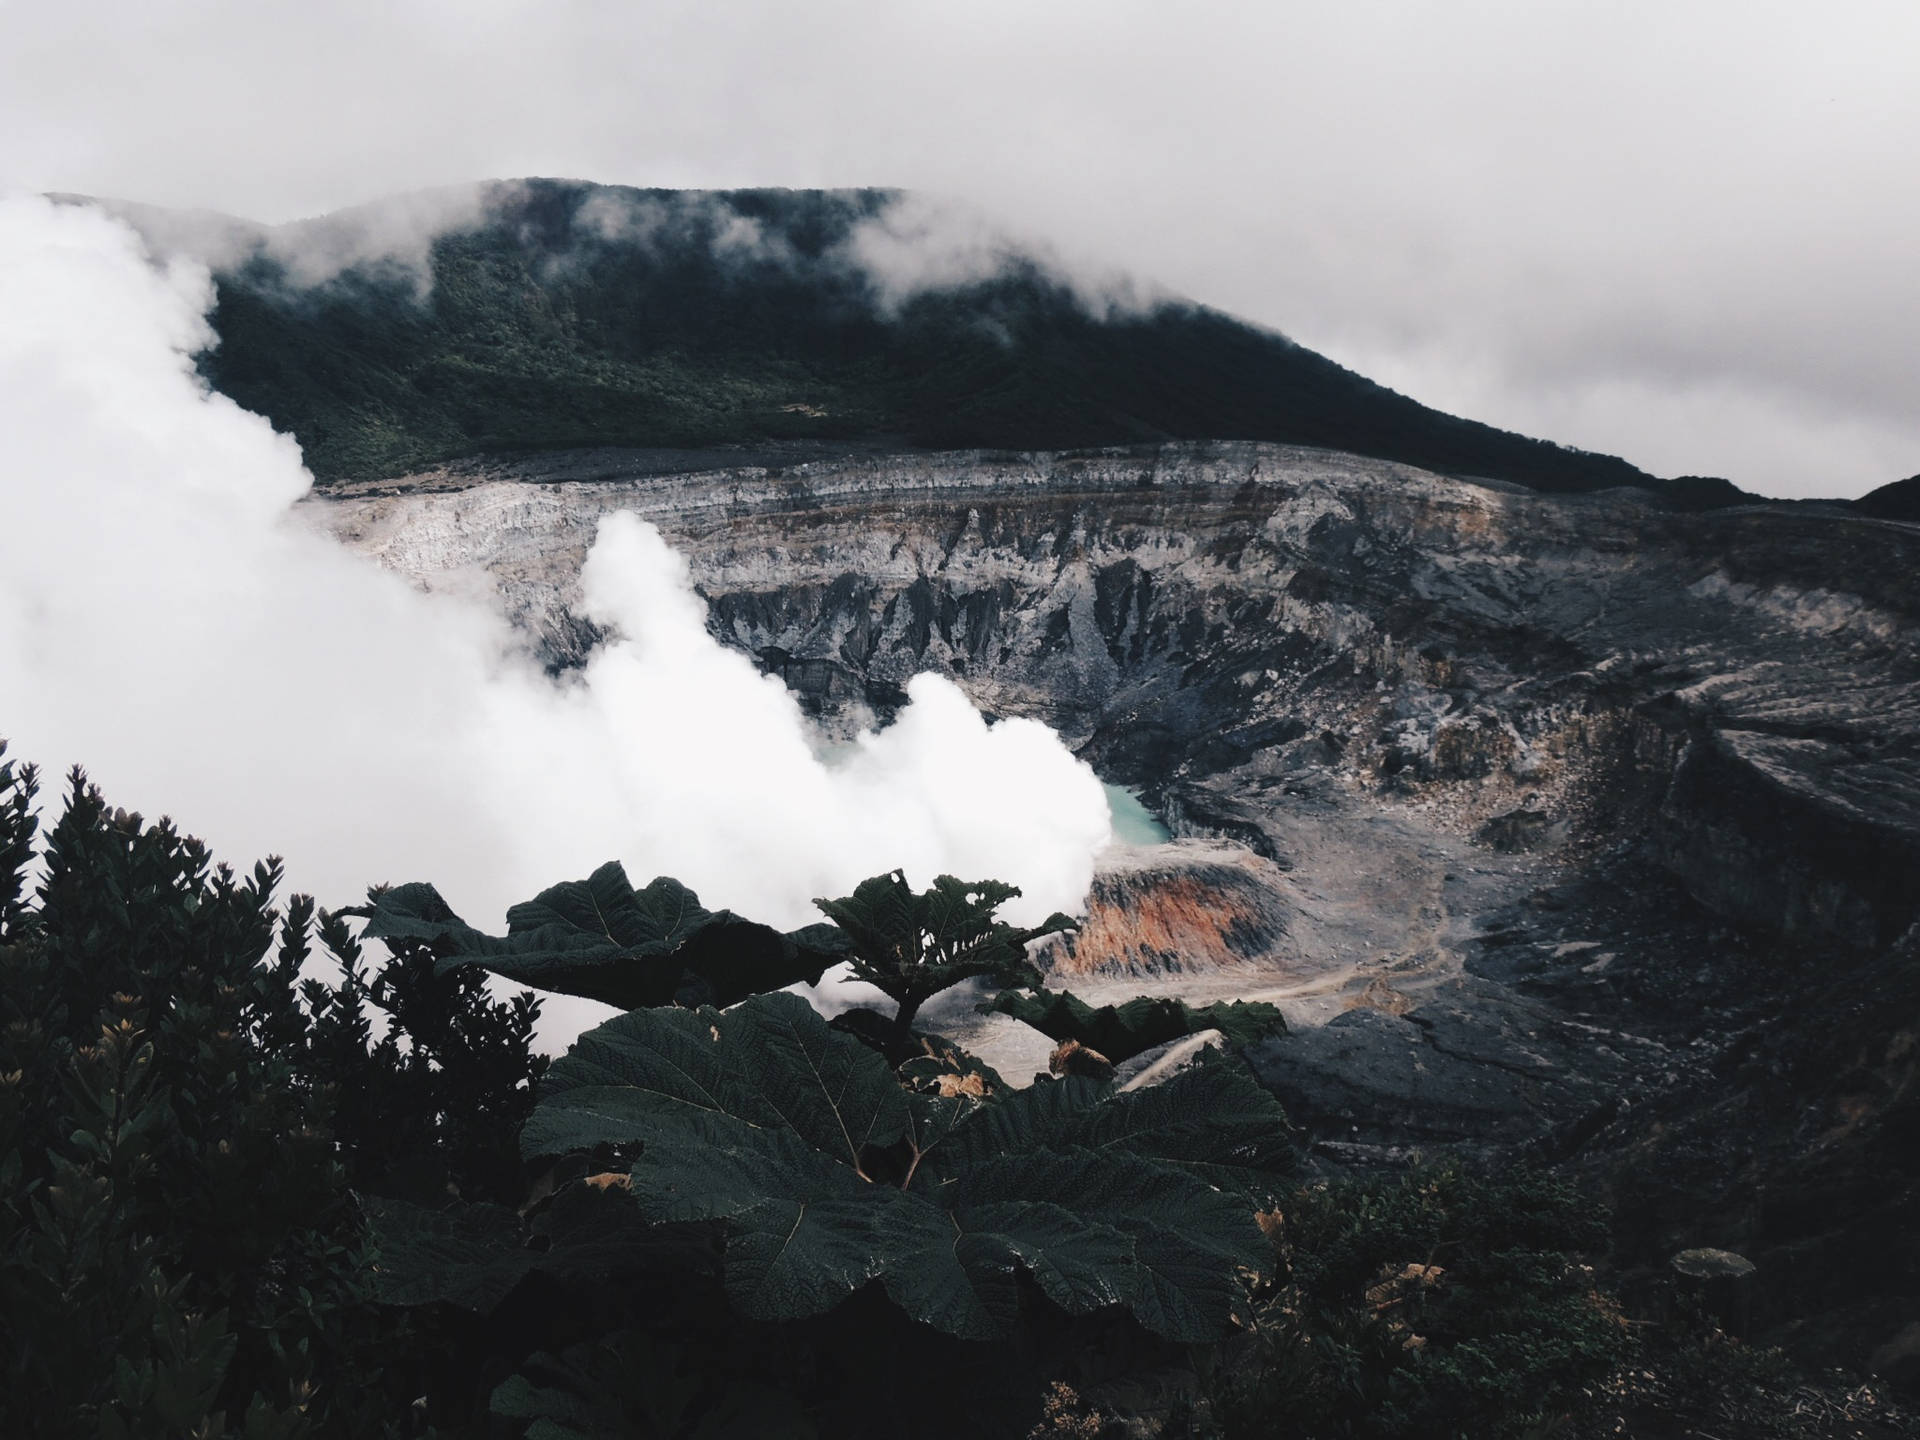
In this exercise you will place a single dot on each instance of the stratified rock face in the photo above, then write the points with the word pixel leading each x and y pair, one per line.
pixel 1226 624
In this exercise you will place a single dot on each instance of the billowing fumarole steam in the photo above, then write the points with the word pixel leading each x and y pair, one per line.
pixel 164 622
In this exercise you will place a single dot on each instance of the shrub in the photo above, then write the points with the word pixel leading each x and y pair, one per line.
pixel 179 1254
pixel 713 1178
pixel 182 1116
pixel 1438 1305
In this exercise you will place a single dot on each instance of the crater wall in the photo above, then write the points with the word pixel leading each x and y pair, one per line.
pixel 1226 625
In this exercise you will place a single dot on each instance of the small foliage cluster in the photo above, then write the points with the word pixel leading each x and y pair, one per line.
pixel 1439 1305
pixel 913 946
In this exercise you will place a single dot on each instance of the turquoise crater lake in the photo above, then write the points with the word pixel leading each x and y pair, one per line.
pixel 1133 823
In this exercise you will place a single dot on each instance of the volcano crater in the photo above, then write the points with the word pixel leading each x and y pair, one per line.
pixel 1577 829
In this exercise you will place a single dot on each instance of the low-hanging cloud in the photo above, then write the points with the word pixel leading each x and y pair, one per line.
pixel 644 220
pixel 394 234
pixel 910 243
pixel 921 242
pixel 163 621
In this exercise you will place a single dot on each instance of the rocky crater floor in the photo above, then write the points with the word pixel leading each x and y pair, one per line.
pixel 1574 829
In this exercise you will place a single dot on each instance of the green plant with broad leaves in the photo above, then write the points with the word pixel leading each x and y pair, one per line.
pixel 913 945
pixel 828 1174
pixel 826 1163
pixel 801 1169
pixel 602 939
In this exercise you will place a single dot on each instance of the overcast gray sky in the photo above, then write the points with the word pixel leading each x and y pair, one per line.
pixel 1684 232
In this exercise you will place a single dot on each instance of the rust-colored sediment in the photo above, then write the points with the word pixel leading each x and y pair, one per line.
pixel 1179 915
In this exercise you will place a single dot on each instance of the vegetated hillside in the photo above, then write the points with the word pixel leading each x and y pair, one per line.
pixel 575 315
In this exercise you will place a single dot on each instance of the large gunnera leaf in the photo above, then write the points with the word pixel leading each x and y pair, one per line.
pixel 1120 1032
pixel 602 939
pixel 828 1175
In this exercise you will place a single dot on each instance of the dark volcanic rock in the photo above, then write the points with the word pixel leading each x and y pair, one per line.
pixel 1898 501
pixel 1799 1147
pixel 1473 1063
pixel 1521 830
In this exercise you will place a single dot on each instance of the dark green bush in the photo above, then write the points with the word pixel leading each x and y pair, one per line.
pixel 433 1108
pixel 1438 1305
pixel 180 1251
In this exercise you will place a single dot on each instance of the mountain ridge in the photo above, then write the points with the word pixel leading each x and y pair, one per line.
pixel 1897 501
pixel 537 315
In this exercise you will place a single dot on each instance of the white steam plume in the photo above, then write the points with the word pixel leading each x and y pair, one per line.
pixel 164 622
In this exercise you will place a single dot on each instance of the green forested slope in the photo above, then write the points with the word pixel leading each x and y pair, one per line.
pixel 721 318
